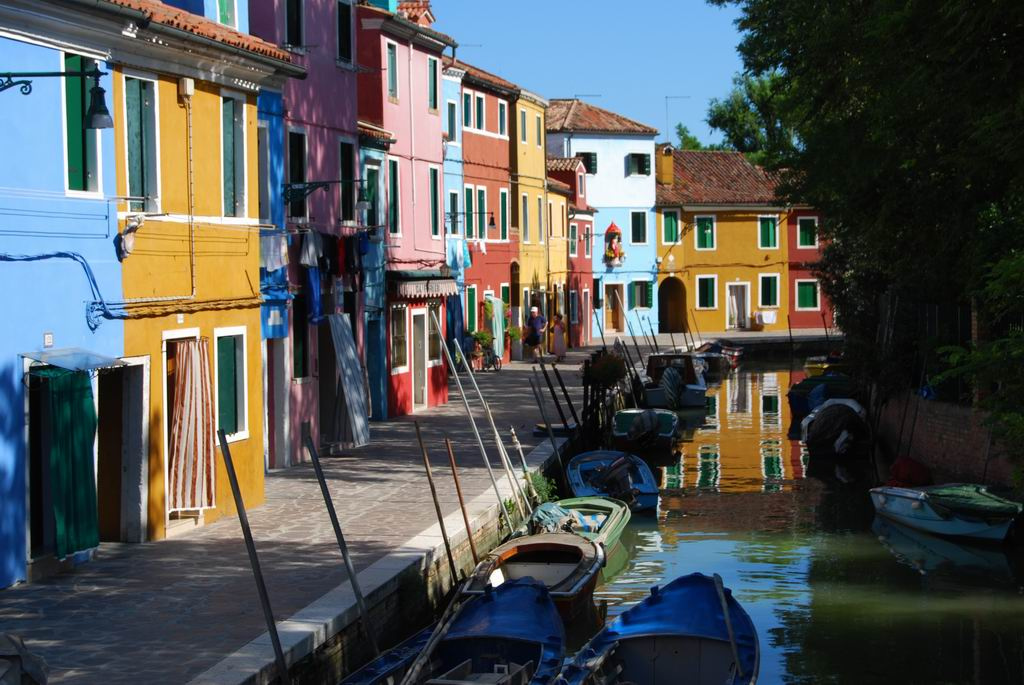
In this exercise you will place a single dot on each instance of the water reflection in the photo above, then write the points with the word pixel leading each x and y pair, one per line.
pixel 832 602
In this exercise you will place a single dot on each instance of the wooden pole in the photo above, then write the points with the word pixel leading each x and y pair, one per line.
pixel 462 503
pixel 632 334
pixel 547 424
pixel 600 329
pixel 551 389
pixel 697 328
pixel 720 589
pixel 437 508
pixel 654 336
pixel 824 323
pixel 364 613
pixel 568 399
pixel 254 560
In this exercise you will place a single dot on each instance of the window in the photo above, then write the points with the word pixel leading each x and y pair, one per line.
pixel 467 110
pixel 526 304
pixel 399 343
pixel 502 119
pixel 768 235
pixel 432 83
pixel 480 112
pixel 394 199
pixel 300 335
pixel 705 233
pixel 769 404
pixel 540 132
pixel 469 211
pixel 81 142
pixel 348 187
pixel 233 151
pixel 506 295
pixel 670 227
pixel 640 294
pixel 471 309
pixel 229 370
pixel 503 214
pixel 638 223
pixel 481 213
pixel 226 12
pixel 639 164
pixel 540 219
pixel 522 126
pixel 435 202
pixel 344 31
pixel 525 218
pixel 434 342
pixel 372 188
pixel 586 242
pixel 579 185
pixel 768 285
pixel 453 212
pixel 574 307
pixel 707 292
pixel 807 232
pixel 140 112
pixel 453 118
pixel 586 312
pixel 807 295
pixel 573 237
pixel 589 161
pixel 392 70
pixel 293 23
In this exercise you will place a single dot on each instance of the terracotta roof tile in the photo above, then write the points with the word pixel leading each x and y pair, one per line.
pixel 374 132
pixel 559 186
pixel 576 115
pixel 166 15
pixel 716 177
pixel 480 75
pixel 564 163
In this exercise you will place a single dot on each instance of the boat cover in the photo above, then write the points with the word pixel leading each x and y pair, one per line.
pixel 972 500
pixel 520 609
pixel 551 517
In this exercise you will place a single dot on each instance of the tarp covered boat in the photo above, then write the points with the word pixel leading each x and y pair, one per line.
pixel 601 519
pixel 956 509
pixel 649 433
pixel 616 474
pixel 690 631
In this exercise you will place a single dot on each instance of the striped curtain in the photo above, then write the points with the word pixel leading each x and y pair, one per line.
pixel 190 463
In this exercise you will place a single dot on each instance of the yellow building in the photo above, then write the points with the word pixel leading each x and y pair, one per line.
pixel 530 207
pixel 722 244
pixel 188 165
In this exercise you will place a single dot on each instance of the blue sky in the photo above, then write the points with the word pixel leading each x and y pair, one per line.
pixel 632 55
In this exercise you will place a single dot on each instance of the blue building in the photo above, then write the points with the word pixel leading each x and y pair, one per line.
pixel 455 242
pixel 61 380
pixel 619 157
pixel 233 13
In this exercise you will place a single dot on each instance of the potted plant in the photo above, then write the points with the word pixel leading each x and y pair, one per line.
pixel 481 339
pixel 514 333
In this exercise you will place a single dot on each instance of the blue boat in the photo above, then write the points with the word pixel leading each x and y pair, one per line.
pixel 679 634
pixel 389 667
pixel 615 474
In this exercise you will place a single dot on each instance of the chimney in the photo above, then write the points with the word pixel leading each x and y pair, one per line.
pixel 417 11
pixel 665 165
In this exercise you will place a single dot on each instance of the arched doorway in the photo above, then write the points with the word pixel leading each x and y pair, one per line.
pixel 671 306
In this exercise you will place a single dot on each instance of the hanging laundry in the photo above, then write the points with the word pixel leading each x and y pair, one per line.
pixel 312 250
pixel 364 242
pixel 313 281
pixel 467 260
pixel 273 251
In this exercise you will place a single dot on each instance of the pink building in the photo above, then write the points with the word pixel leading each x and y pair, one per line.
pixel 571 172
pixel 400 91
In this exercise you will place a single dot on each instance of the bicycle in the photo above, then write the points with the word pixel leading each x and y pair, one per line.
pixel 490 360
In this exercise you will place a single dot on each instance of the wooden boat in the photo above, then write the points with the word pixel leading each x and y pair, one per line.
pixel 690 631
pixel 728 349
pixel 567 564
pixel 801 401
pixel 674 382
pixel 508 635
pixel 611 473
pixel 955 509
pixel 389 667
pixel 601 519
pixel 648 433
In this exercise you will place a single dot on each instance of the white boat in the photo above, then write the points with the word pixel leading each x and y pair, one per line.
pixel 955 509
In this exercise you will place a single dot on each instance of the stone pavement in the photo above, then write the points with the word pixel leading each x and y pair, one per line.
pixel 167 611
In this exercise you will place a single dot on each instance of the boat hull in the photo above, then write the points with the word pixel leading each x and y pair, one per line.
pixel 584 468
pixel 911 508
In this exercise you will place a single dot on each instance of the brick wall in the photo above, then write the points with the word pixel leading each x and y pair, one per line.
pixel 951 440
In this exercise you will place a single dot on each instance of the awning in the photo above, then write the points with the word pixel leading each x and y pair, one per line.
pixel 73 359
pixel 426 283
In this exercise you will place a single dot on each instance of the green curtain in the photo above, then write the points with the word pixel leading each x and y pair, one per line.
pixel 72 479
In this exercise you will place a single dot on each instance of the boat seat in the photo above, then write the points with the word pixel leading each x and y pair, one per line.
pixel 503 674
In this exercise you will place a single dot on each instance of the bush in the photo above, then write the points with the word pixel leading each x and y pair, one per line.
pixel 546 488
pixel 483 338
pixel 514 333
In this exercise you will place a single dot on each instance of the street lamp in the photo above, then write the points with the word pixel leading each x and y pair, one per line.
pixel 96 117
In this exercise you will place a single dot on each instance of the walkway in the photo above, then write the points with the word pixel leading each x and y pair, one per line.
pixel 167 611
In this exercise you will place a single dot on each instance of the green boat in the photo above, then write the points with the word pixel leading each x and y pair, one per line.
pixel 601 519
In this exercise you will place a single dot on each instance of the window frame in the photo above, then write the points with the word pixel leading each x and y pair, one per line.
pixel 540 220
pixel 502 289
pixel 433 333
pixel 664 225
pixel 503 218
pixel 580 180
pixel 502 118
pixel 468 203
pixel 152 204
pixel 634 166
pixel 434 198
pixel 241 170
pixel 799 243
pixel 295 47
pixel 646 239
pixel 94 133
pixel 480 111
pixel 467 109
pixel 338 57
pixel 574 236
pixel 288 168
pixel 453 212
pixel 373 217
pixel 452 121
pixel 433 80
pixel 350 190
pixel 394 183
pixel 796 295
pixel 574 307
pixel 471 311
pixel 524 218
pixel 241 357
pixel 404 367
pixel 639 286
pixel 761 217
pixel 714 232
pixel 391 47
pixel 539 120
pixel 587 238
pixel 714 291
pixel 481 212
pixel 760 290
pixel 523 135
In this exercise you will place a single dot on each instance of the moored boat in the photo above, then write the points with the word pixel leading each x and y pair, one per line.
pixel 601 519
pixel 648 433
pixel 728 349
pixel 674 382
pixel 813 391
pixel 691 630
pixel 615 474
pixel 567 564
pixel 955 509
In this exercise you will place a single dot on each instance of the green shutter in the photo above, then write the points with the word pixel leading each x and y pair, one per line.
pixel 432 83
pixel 372 215
pixel 807 295
pixel 453 213
pixel 467 109
pixel 506 295
pixel 650 294
pixel 504 217
pixel 706 292
pixel 300 336
pixel 228 153
pixel 227 12
pixel 631 296
pixel 808 232
pixel 435 228
pixel 393 198
pixel 481 219
pixel 136 145
pixel 480 112
pixel 501 120
pixel 769 291
pixel 639 227
pixel 392 71
pixel 645 164
pixel 769 239
pixel 74 108
pixel 227 384
pixel 469 213
pixel 471 309
pixel 671 227
pixel 592 164
pixel 705 233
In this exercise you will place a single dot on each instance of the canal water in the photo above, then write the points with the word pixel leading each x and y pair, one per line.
pixel 837 597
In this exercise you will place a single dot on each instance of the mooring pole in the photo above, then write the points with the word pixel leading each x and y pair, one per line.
pixel 364 613
pixel 697 328
pixel 554 396
pixel 437 508
pixel 824 323
pixel 568 399
pixel 254 560
pixel 600 329
pixel 547 424
pixel 632 333
pixel 654 336
pixel 462 503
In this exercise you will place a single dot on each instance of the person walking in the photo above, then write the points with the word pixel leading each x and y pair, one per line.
pixel 558 333
pixel 536 326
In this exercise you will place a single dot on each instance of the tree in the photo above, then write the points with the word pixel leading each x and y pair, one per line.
pixel 688 141
pixel 751 117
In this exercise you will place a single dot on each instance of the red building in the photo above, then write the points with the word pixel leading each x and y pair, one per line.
pixel 808 306
pixel 486 200
pixel 571 173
